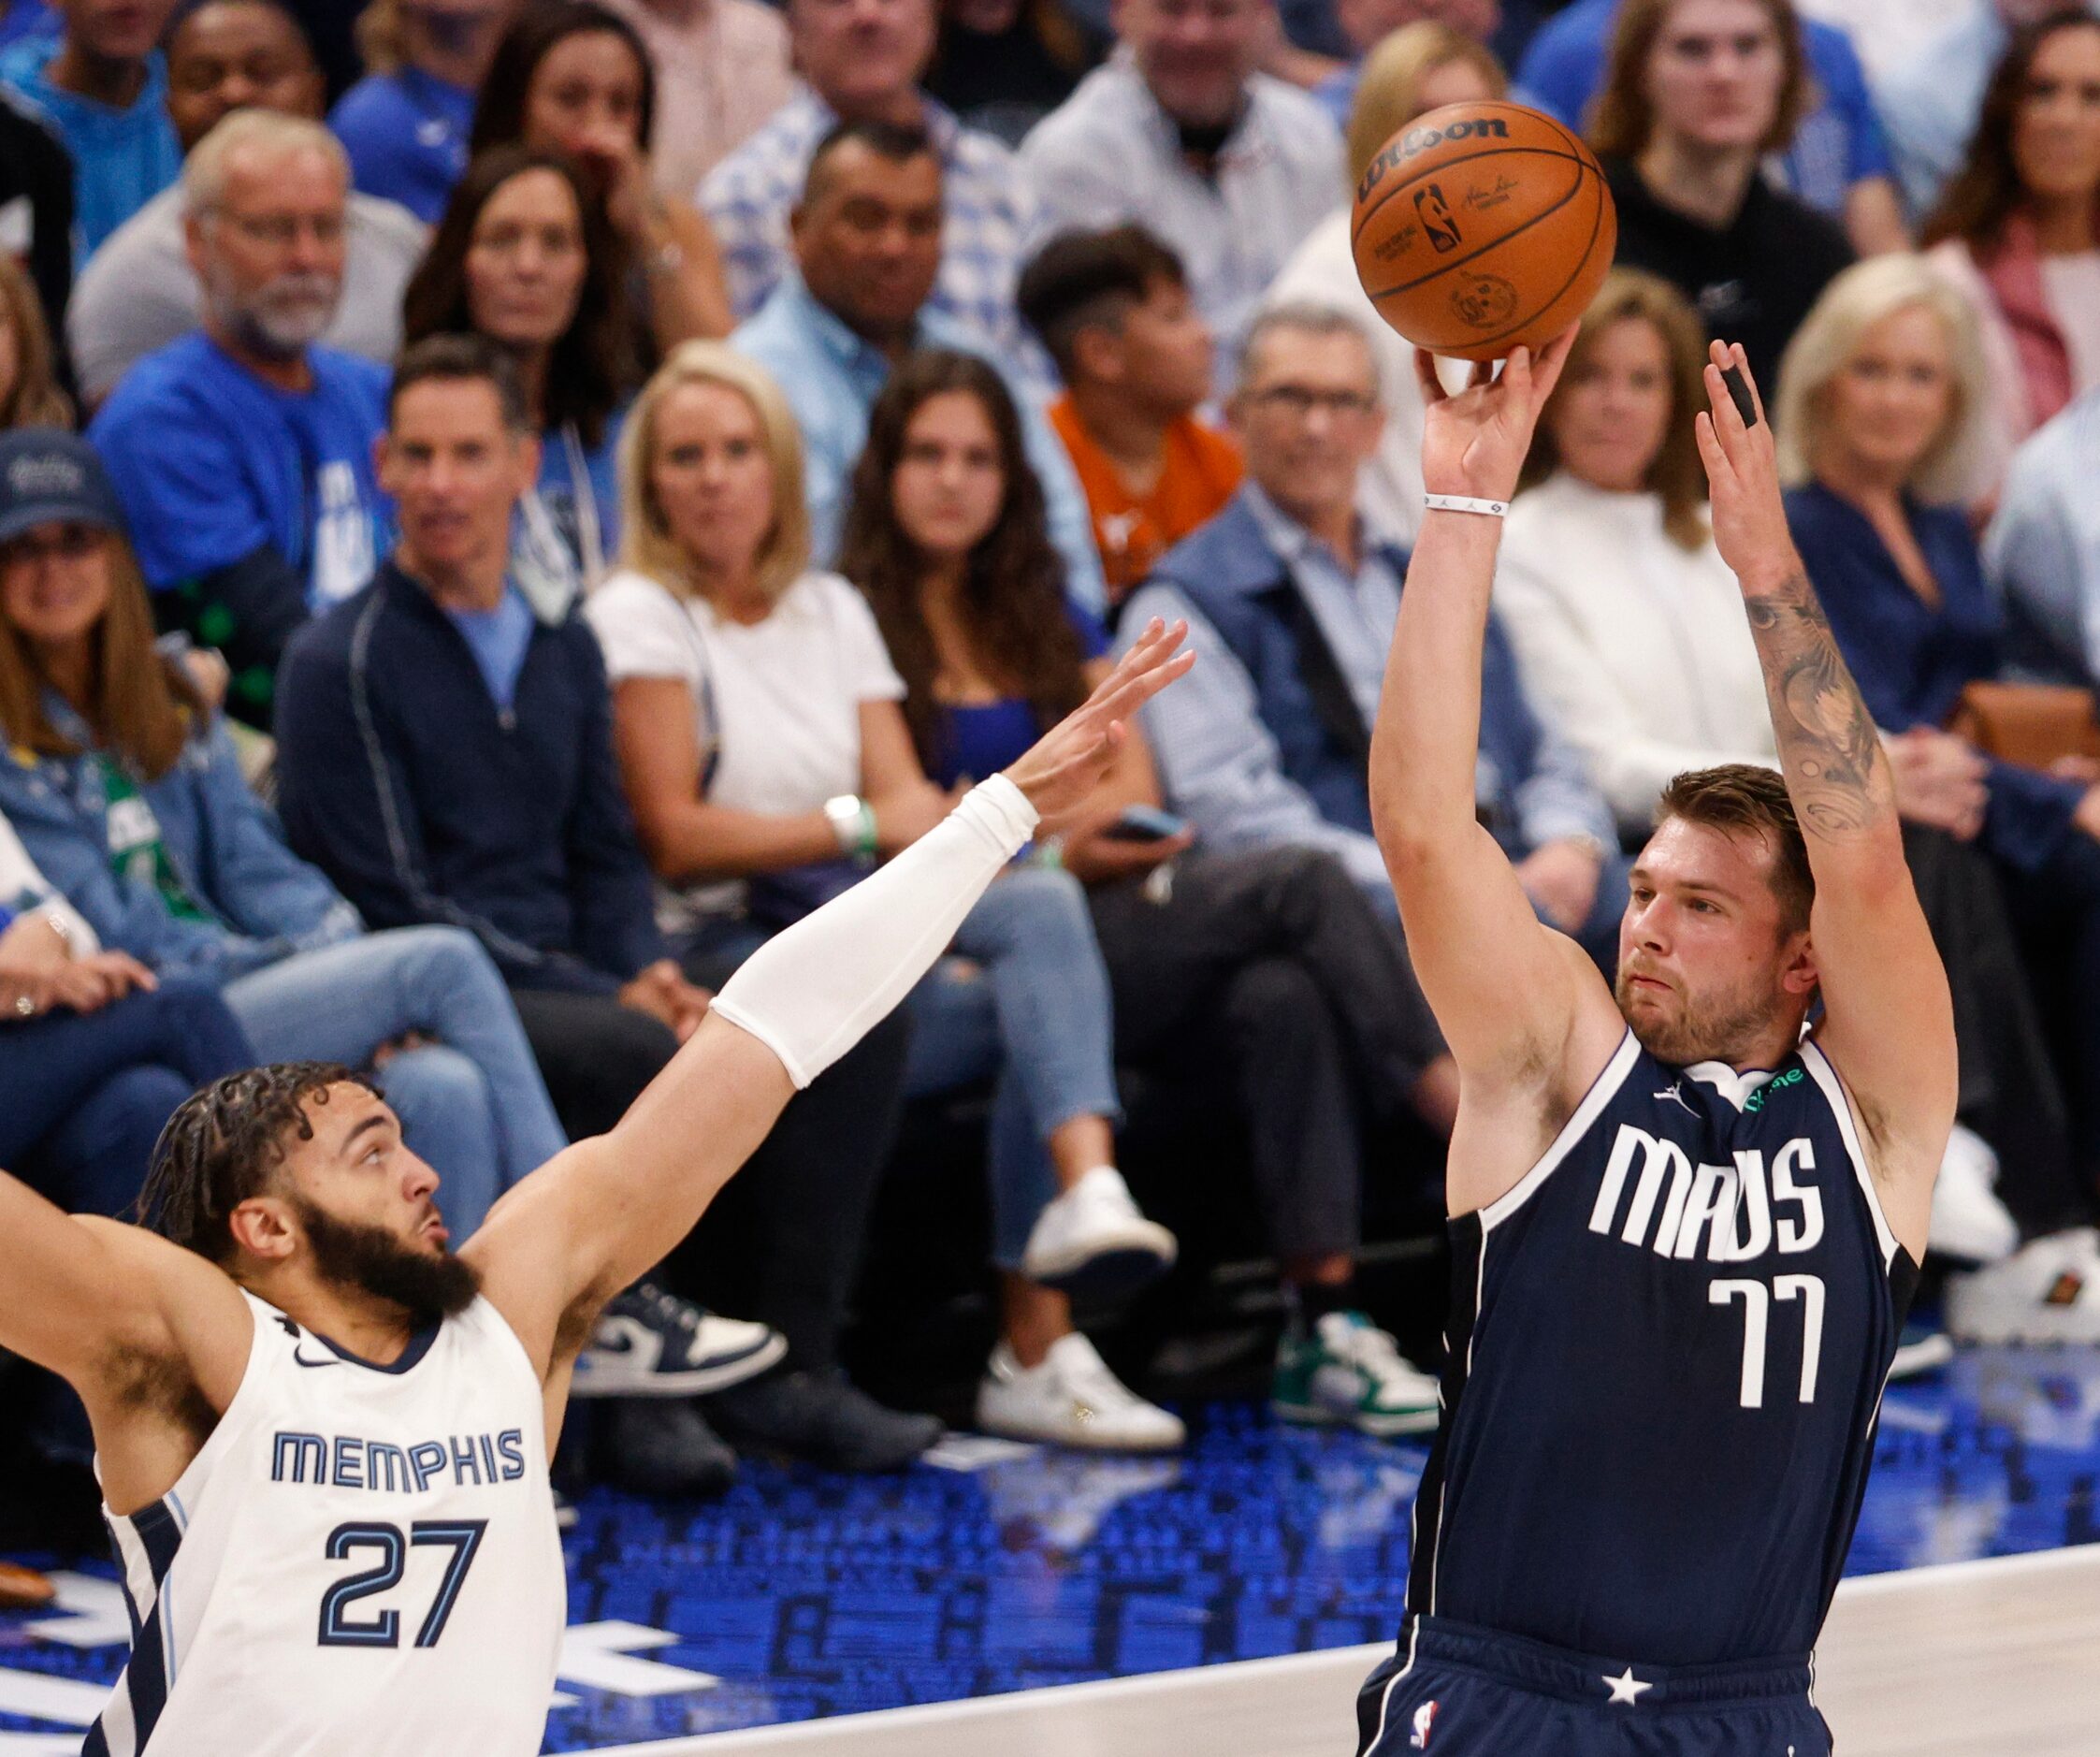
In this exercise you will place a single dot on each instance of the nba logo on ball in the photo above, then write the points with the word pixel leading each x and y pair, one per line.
pixel 1424 1718
pixel 1436 218
pixel 1481 229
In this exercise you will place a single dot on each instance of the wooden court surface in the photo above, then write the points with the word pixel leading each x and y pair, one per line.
pixel 1984 1659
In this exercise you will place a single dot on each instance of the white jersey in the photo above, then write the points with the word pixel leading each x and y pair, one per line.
pixel 361 1559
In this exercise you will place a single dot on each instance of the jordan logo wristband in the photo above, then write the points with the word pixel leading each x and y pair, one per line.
pixel 1465 503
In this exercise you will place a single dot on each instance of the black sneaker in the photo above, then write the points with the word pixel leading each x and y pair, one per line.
pixel 824 1418
pixel 652 1343
pixel 664 1448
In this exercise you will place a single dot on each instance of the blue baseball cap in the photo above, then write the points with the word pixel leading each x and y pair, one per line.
pixel 49 476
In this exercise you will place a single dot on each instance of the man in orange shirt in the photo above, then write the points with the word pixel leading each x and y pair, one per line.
pixel 1114 311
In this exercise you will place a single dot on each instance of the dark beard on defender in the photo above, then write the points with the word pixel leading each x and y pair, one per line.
pixel 354 1255
pixel 1712 1030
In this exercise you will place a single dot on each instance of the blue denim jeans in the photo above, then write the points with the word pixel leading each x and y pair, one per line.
pixel 1022 1000
pixel 474 1106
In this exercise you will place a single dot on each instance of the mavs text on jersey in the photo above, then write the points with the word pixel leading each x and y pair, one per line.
pixel 1666 1357
pixel 358 1552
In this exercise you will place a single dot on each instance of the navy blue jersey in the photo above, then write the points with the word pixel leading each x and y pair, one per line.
pixel 1666 1357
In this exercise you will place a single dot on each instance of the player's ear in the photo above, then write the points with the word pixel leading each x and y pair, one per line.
pixel 262 1227
pixel 1798 973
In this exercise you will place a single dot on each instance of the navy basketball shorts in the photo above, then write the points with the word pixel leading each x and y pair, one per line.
pixel 1455 1690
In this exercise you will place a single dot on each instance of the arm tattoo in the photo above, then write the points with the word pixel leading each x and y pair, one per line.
pixel 1828 744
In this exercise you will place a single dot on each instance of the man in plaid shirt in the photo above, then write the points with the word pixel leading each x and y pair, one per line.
pixel 862 61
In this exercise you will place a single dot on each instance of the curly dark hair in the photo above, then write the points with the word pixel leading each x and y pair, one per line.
pixel 537 31
pixel 593 360
pixel 1015 586
pixel 1986 190
pixel 222 1143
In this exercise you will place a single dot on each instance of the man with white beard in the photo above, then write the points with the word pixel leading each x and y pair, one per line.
pixel 243 452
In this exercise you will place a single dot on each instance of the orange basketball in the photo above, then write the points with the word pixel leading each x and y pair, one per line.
pixel 1483 228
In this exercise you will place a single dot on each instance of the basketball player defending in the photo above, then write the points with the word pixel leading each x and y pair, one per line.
pixel 1683 1234
pixel 323 1438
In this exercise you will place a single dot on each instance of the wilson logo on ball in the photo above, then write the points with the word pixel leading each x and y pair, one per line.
pixel 1431 208
pixel 1422 140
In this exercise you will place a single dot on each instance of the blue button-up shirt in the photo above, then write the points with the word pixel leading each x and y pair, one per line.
pixel 1220 765
pixel 992 222
pixel 2043 550
pixel 831 376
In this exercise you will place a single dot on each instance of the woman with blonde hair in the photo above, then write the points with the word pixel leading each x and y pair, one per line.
pixel 29 392
pixel 1697 93
pixel 1418 67
pixel 765 752
pixel 1881 398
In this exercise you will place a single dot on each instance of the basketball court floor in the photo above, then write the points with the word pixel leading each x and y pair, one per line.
pixel 1018 1601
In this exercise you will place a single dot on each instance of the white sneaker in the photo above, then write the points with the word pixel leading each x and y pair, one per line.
pixel 1969 1221
pixel 1345 1368
pixel 2047 1292
pixel 1071 1399
pixel 1093 1243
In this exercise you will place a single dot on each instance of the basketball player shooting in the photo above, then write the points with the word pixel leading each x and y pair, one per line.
pixel 1684 1233
pixel 322 1437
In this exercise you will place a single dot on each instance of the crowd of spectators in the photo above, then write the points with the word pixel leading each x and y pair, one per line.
pixel 561 489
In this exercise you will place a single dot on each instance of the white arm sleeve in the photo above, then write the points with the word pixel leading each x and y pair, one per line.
pixel 811 993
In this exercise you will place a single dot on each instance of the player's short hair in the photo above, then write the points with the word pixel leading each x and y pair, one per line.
pixel 222 1144
pixel 461 359
pixel 1082 280
pixel 1742 799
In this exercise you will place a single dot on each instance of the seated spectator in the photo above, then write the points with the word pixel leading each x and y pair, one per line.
pixel 1113 309
pixel 1877 404
pixel 405 124
pixel 722 70
pixel 2043 548
pixel 1697 91
pixel 1363 24
pixel 446 755
pixel 103 85
pixel 862 64
pixel 36 204
pixel 734 660
pixel 243 452
pixel 140 291
pixel 1291 598
pixel 1837 161
pixel 126 793
pixel 1630 631
pixel 523 258
pixel 1002 66
pixel 1230 167
pixel 2015 230
pixel 1930 102
pixel 946 536
pixel 29 392
pixel 94 1057
pixel 868 239
pixel 570 77
pixel 1419 68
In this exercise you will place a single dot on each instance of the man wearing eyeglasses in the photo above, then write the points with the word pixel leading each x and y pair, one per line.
pixel 242 453
pixel 1290 595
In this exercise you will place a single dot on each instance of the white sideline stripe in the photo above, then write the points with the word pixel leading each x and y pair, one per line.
pixel 838 1729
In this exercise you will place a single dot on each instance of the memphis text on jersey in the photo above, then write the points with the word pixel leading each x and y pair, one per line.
pixel 344 1461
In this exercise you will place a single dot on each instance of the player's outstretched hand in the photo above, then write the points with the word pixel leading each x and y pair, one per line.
pixel 1743 475
pixel 1060 770
pixel 1473 443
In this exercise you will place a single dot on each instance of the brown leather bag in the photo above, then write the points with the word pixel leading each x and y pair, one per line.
pixel 2033 724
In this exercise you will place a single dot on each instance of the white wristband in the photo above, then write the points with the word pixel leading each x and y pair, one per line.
pixel 1464 503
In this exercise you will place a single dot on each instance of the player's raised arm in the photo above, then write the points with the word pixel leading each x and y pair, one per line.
pixel 1505 989
pixel 604 1212
pixel 1889 1019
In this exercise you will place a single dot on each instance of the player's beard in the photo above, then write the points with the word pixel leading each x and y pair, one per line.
pixel 1709 1028
pixel 352 1254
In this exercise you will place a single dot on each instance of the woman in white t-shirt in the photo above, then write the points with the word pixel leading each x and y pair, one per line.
pixel 768 764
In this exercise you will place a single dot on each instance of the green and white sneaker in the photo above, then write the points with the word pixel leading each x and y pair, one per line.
pixel 1346 1370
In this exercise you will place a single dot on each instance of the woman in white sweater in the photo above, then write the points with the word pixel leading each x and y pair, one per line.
pixel 1627 622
